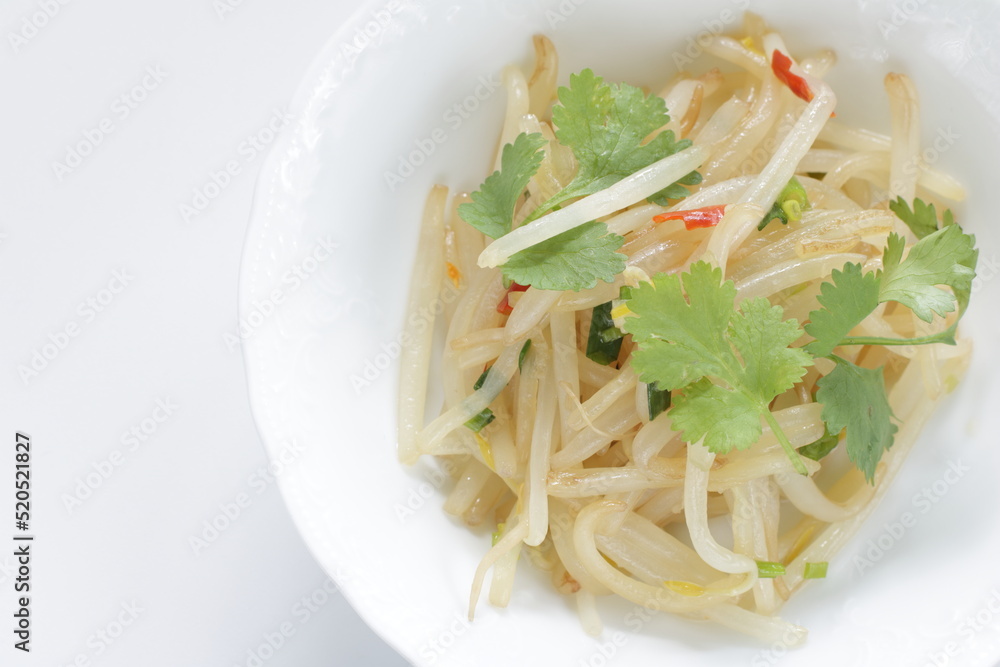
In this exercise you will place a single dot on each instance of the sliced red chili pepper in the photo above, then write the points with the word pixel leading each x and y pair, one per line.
pixel 782 67
pixel 696 218
pixel 504 306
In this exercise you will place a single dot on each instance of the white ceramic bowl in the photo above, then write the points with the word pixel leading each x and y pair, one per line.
pixel 329 251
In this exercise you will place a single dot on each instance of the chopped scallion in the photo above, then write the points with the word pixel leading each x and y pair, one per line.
pixel 482 379
pixel 769 570
pixel 815 570
pixel 788 206
pixel 599 348
pixel 481 421
pixel 524 352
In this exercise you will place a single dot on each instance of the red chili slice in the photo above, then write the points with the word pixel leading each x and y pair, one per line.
pixel 504 306
pixel 696 218
pixel 782 67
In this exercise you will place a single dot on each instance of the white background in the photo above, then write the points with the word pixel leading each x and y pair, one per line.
pixel 114 516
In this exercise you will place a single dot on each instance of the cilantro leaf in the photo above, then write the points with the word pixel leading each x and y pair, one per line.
pixel 726 419
pixel 847 301
pixel 605 126
pixel 729 363
pixel 922 219
pixel 763 338
pixel 942 258
pixel 855 399
pixel 945 257
pixel 968 258
pixel 673 365
pixel 573 260
pixel 681 342
pixel 676 190
pixel 492 208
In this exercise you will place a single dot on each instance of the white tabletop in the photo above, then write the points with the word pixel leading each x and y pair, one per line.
pixel 120 242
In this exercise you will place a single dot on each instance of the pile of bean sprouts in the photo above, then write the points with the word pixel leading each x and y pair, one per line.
pixel 572 473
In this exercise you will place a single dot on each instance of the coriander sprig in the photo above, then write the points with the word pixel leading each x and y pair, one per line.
pixel 605 126
pixel 726 361
pixel 945 257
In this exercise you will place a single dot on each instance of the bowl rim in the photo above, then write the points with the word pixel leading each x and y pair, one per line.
pixel 315 77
